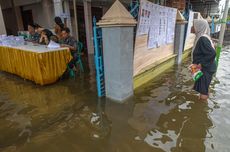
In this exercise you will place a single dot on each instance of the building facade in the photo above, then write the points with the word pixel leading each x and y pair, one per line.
pixel 77 14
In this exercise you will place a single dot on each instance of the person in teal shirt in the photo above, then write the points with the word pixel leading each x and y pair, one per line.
pixel 33 36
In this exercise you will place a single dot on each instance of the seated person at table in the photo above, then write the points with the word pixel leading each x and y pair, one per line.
pixel 33 36
pixel 69 41
pixel 38 28
pixel 58 27
pixel 45 37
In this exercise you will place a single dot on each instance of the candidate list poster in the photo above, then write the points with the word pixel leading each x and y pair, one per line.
pixel 144 18
pixel 153 36
pixel 162 27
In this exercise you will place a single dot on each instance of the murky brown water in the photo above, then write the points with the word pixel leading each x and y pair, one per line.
pixel 164 115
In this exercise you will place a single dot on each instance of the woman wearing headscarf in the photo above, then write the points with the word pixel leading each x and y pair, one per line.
pixel 59 25
pixel 203 55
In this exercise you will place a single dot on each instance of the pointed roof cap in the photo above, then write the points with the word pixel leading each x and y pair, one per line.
pixel 117 15
pixel 180 18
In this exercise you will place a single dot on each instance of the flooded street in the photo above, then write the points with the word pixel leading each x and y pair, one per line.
pixel 164 115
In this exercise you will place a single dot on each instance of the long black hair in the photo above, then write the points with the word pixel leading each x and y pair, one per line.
pixel 48 33
pixel 36 26
pixel 59 22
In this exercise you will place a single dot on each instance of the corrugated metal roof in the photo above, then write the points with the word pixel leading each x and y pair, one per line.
pixel 205 1
pixel 206 7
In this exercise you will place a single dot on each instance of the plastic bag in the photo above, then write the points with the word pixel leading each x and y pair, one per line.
pixel 196 72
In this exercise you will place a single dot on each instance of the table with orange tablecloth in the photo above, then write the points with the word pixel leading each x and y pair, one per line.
pixel 35 62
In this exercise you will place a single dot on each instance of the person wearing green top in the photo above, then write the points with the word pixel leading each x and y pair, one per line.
pixel 33 36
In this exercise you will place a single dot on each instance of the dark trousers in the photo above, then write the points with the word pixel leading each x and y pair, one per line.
pixel 74 59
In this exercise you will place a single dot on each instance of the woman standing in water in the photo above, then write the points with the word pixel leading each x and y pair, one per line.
pixel 203 55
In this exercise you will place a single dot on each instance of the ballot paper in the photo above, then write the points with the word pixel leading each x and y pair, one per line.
pixel 53 45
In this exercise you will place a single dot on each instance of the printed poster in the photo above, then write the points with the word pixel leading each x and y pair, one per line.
pixel 171 20
pixel 144 18
pixel 158 22
pixel 154 28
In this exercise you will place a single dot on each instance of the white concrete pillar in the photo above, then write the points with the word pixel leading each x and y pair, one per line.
pixel 223 25
pixel 61 9
pixel 67 17
pixel 88 26
pixel 48 10
pixel 75 23
pixel 179 40
pixel 2 23
pixel 118 31
pixel 58 10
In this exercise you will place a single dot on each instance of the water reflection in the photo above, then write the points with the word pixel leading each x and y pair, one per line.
pixel 167 119
pixel 181 130
pixel 162 116
pixel 26 109
pixel 101 123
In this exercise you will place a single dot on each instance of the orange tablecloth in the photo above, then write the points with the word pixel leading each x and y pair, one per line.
pixel 35 63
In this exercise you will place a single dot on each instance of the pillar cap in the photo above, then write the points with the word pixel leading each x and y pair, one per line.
pixel 117 15
pixel 179 17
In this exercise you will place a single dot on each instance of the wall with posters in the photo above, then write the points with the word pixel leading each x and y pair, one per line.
pixel 155 36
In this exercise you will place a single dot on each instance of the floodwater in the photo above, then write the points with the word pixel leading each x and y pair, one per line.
pixel 163 115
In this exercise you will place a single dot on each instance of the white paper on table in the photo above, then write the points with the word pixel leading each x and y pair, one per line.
pixel 53 45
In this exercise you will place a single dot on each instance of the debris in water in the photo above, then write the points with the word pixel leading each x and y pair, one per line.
pixel 94 118
pixel 96 136
pixel 178 86
pixel 173 98
pixel 86 108
pixel 137 138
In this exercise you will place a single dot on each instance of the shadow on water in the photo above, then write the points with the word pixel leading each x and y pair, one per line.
pixel 163 115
